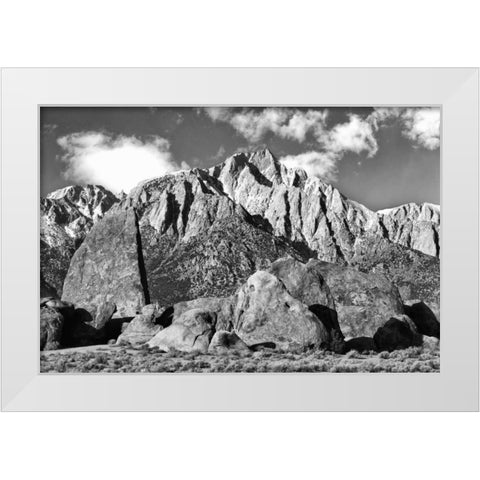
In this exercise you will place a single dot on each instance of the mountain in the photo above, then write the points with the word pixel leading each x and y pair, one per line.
pixel 309 212
pixel 66 216
pixel 204 232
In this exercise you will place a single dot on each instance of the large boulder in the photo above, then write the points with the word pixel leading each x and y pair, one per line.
pixel 51 328
pixel 108 266
pixel 224 341
pixel 363 301
pixel 424 319
pixel 306 283
pixel 396 334
pixel 266 312
pixel 191 332
pixel 140 330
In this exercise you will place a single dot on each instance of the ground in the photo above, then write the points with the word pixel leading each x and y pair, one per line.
pixel 116 359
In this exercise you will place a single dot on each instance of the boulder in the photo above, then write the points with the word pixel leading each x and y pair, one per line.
pixel 140 330
pixel 424 319
pixel 153 309
pixel 431 343
pixel 108 265
pixel 191 332
pixel 44 300
pixel 224 341
pixel 51 328
pixel 221 307
pixel 306 283
pixel 362 300
pixel 266 312
pixel 395 334
pixel 105 312
pixel 360 344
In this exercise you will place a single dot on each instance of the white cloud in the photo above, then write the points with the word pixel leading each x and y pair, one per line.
pixel 319 164
pixel 118 163
pixel 288 123
pixel 422 126
pixel 356 136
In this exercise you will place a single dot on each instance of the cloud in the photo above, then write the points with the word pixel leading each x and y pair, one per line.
pixel 116 162
pixel 319 164
pixel 420 125
pixel 329 145
pixel 287 123
pixel 356 135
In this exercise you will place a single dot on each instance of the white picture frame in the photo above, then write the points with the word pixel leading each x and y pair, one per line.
pixel 455 388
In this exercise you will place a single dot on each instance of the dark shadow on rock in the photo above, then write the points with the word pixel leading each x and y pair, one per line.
pixel 113 328
pixel 424 319
pixel 360 344
pixel 79 331
pixel 394 335
pixel 261 346
pixel 166 318
pixel 329 319
pixel 326 315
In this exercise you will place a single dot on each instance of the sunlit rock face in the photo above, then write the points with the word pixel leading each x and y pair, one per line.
pixel 66 216
pixel 415 226
pixel 202 233
pixel 306 210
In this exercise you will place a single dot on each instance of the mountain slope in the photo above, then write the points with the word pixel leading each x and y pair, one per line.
pixel 66 216
pixel 305 210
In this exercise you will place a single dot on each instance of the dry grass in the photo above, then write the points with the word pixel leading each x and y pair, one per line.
pixel 114 359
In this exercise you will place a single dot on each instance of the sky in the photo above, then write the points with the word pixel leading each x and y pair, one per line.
pixel 381 157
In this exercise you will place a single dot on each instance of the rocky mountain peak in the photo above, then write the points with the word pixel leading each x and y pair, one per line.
pixel 91 201
pixel 66 216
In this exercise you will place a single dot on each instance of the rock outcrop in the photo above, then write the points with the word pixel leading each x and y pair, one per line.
pixel 139 330
pixel 265 311
pixel 314 214
pixel 66 216
pixel 191 332
pixel 363 301
pixel 51 328
pixel 107 267
pixel 224 341
pixel 414 226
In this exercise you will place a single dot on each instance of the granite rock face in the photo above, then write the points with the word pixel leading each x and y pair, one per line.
pixel 140 330
pixel 107 267
pixel 191 332
pixel 314 214
pixel 51 328
pixel 265 311
pixel 66 216
pixel 363 301
pixel 414 226
pixel 416 275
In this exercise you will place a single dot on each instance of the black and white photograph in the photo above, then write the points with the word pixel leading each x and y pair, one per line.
pixel 250 239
